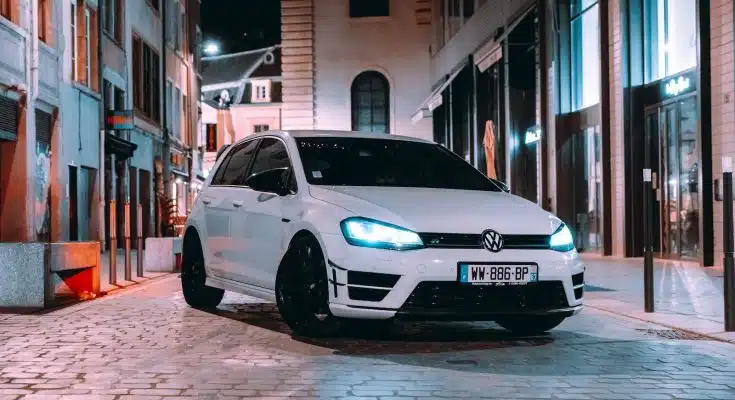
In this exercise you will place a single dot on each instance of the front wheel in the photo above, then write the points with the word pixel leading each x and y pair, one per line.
pixel 530 325
pixel 302 290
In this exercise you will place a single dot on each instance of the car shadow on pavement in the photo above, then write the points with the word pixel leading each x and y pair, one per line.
pixel 375 338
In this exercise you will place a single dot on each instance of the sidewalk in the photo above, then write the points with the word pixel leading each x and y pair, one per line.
pixel 686 296
pixel 105 285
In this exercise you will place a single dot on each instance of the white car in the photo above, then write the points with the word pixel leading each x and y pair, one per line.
pixel 336 226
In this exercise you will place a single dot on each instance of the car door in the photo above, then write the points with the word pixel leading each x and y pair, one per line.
pixel 267 215
pixel 222 203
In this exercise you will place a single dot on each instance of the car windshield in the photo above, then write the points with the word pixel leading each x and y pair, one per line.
pixel 345 161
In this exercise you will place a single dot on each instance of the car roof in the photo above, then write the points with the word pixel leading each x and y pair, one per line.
pixel 333 133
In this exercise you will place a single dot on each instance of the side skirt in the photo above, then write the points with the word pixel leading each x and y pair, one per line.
pixel 242 288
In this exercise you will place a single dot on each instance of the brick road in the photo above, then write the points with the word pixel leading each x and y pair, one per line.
pixel 147 344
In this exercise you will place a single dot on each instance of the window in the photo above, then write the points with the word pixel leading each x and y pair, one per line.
pixel 370 104
pixel 119 99
pixel 181 29
pixel 169 105
pixel 261 92
pixel 671 37
pixel 211 139
pixel 271 155
pixel 176 111
pixel 585 53
pixel 44 21
pixel 233 168
pixel 6 10
pixel 88 49
pixel 198 49
pixel 74 43
pixel 261 128
pixel 369 8
pixel 146 80
pixel 387 163
pixel 113 19
pixel 85 68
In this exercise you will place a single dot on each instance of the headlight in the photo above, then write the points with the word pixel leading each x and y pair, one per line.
pixel 370 233
pixel 562 239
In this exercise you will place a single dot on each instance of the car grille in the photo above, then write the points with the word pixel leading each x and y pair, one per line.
pixel 427 296
pixel 474 241
pixel 356 280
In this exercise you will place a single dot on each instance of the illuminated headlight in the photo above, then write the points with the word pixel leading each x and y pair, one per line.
pixel 365 232
pixel 562 239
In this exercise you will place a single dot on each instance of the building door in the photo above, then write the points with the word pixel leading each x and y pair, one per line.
pixel 672 131
pixel 87 187
pixel 73 205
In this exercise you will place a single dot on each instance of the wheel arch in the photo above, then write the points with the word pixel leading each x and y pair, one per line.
pixel 300 232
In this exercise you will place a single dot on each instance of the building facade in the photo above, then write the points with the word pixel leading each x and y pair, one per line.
pixel 568 101
pixel 360 65
pixel 68 67
pixel 241 95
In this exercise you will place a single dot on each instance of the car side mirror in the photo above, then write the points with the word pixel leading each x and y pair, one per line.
pixel 270 181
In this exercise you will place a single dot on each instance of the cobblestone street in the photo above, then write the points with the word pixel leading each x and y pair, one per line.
pixel 146 343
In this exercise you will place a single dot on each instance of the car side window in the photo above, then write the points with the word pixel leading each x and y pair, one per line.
pixel 233 169
pixel 272 155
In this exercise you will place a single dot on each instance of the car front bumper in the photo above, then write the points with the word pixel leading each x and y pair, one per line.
pixel 423 284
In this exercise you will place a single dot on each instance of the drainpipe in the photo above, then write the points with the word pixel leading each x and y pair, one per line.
pixel 103 104
pixel 166 153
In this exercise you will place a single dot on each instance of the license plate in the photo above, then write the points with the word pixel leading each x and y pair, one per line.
pixel 498 274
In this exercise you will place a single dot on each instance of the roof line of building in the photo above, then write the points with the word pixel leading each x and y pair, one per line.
pixel 242 53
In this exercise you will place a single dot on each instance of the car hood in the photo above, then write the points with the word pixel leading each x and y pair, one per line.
pixel 441 210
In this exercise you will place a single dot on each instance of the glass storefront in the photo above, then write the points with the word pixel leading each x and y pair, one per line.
pixel 585 53
pixel 672 129
pixel 671 37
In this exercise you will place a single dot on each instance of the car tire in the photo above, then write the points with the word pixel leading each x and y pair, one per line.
pixel 530 325
pixel 302 290
pixel 193 277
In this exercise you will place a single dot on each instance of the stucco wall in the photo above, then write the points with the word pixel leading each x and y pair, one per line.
pixel 395 46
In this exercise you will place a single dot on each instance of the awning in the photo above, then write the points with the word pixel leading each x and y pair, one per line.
pixel 435 99
pixel 119 146
pixel 487 55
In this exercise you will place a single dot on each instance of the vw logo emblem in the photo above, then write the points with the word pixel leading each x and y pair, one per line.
pixel 492 240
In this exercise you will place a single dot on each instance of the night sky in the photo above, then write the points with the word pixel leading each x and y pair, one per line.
pixel 240 25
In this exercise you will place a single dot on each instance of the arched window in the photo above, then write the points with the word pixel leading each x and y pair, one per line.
pixel 370 104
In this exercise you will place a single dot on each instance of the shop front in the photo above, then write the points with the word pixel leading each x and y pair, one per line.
pixel 665 129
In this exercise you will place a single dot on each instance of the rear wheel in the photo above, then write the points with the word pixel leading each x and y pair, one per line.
pixel 193 277
pixel 530 325
pixel 302 290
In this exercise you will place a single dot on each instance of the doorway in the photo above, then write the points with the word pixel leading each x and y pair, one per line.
pixel 671 132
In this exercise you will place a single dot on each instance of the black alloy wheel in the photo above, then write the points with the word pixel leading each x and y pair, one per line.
pixel 302 290
pixel 193 277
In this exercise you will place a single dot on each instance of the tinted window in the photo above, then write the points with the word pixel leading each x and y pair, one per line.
pixel 385 162
pixel 233 168
pixel 369 8
pixel 272 155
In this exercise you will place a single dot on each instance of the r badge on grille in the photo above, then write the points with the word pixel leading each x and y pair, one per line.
pixel 492 240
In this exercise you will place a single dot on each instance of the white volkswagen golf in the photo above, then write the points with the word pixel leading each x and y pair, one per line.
pixel 340 226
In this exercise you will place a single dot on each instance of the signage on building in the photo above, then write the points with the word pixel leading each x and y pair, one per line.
pixel 533 135
pixel 677 86
pixel 119 120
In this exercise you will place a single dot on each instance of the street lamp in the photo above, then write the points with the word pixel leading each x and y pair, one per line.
pixel 211 48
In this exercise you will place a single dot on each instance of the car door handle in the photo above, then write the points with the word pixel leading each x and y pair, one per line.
pixel 237 204
pixel 207 201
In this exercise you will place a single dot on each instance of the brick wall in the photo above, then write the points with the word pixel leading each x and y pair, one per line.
pixel 723 111
pixel 297 47
pixel 396 46
pixel 617 154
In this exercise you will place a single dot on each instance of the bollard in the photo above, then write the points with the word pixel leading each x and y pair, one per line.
pixel 128 265
pixel 113 242
pixel 727 232
pixel 647 241
pixel 139 264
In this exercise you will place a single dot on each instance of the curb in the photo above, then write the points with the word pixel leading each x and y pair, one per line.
pixel 689 331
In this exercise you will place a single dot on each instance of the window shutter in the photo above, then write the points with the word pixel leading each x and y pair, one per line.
pixel 44 127
pixel 8 118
